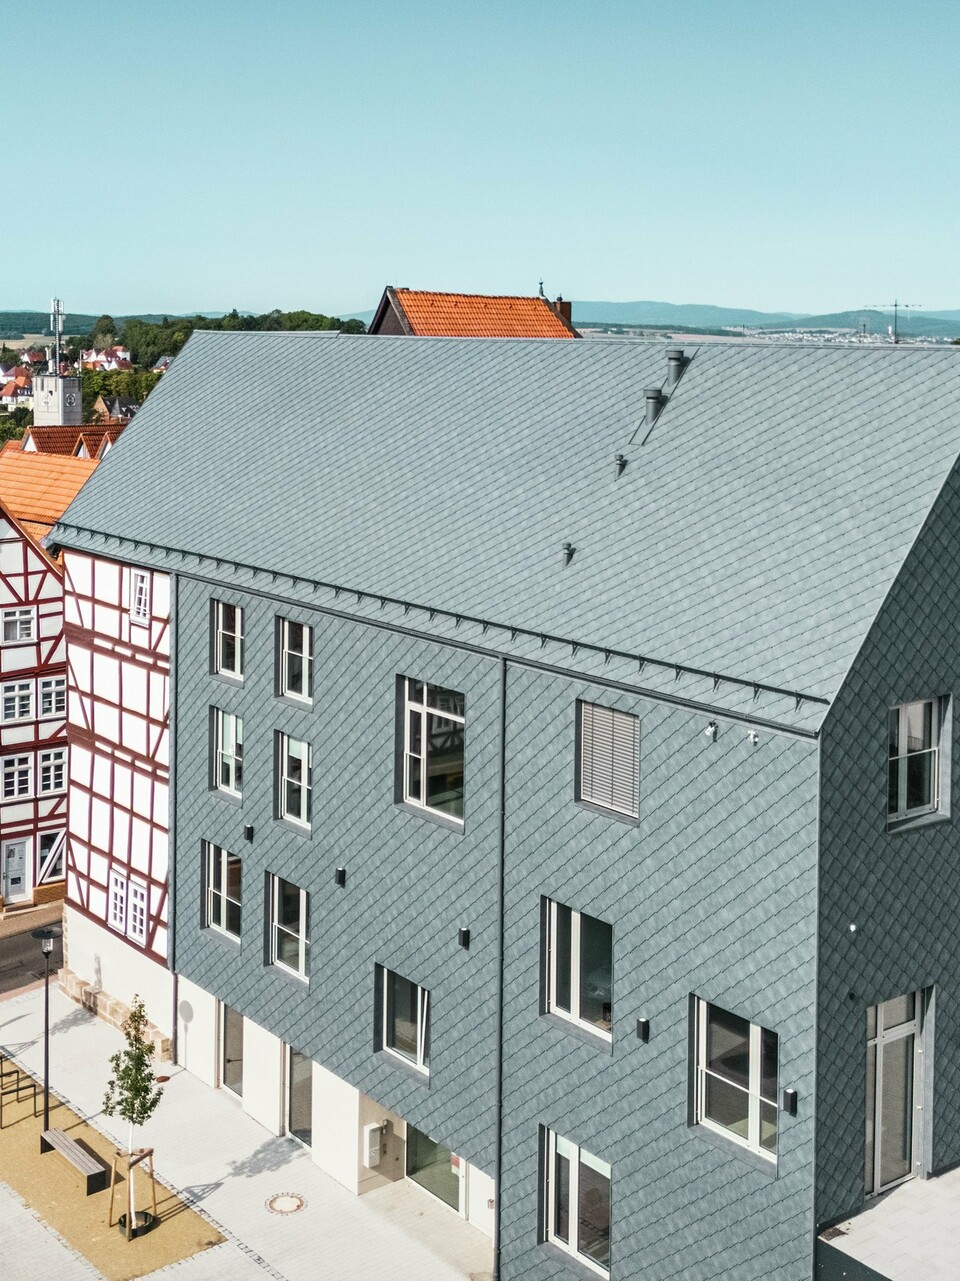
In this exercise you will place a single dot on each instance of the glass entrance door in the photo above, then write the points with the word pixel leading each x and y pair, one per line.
pixel 300 1097
pixel 893 1056
pixel 14 879
pixel 433 1167
pixel 231 1064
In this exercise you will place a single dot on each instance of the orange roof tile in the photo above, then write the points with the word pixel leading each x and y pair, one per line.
pixel 38 488
pixel 479 316
pixel 55 440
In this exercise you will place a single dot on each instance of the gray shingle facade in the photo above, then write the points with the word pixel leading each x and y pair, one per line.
pixel 779 557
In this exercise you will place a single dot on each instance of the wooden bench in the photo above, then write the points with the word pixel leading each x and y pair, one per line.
pixel 91 1167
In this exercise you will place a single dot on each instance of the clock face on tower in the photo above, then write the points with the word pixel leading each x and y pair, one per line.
pixel 70 399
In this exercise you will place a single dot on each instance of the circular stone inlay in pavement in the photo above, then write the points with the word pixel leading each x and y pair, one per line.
pixel 285 1203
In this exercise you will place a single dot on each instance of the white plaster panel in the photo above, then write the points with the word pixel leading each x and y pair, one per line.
pixel 336 1128
pixel 133 732
pixel 197 1031
pixel 106 722
pixel 106 960
pixel 481 1191
pixel 262 1076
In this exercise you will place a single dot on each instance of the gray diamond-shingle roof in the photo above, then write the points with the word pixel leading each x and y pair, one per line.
pixel 754 532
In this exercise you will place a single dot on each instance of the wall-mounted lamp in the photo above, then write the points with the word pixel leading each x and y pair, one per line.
pixel 463 938
pixel 568 550
pixel 790 1102
pixel 340 876
pixel 753 737
pixel 643 1030
pixel 711 731
pixel 621 464
pixel 248 831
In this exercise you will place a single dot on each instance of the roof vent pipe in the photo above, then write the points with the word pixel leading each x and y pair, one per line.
pixel 675 363
pixel 654 404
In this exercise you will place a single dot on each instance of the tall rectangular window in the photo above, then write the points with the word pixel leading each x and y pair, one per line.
pixel 17 777
pixel 137 912
pixel 736 1082
pixel 53 771
pixel 289 927
pixel 914 759
pixel 140 596
pixel 294 783
pixel 608 773
pixel 296 660
pixel 228 752
pixel 576 1200
pixel 17 625
pixel 228 639
pixel 579 960
pixel 433 748
pixel 16 701
pixel 406 1020
pixel 53 696
pixel 50 856
pixel 117 902
pixel 224 881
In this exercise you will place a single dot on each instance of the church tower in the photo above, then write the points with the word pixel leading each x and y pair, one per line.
pixel 57 401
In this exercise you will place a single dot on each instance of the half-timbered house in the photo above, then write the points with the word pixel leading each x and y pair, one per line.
pixel 34 491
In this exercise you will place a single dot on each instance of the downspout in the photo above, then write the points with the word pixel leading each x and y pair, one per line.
pixel 172 805
pixel 501 863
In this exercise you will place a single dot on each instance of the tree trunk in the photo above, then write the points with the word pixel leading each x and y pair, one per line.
pixel 130 1223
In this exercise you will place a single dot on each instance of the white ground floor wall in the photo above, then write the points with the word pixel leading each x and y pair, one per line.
pixel 114 966
pixel 341 1114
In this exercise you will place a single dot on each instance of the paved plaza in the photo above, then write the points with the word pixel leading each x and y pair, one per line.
pixel 227 1166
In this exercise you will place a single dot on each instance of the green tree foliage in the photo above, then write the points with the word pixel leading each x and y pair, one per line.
pixel 104 332
pixel 137 385
pixel 132 1091
pixel 12 424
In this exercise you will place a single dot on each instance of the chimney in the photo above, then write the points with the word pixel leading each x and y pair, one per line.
pixel 564 310
pixel 675 364
pixel 654 404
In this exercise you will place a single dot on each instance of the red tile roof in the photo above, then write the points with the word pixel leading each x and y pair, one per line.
pixel 65 440
pixel 479 316
pixel 38 488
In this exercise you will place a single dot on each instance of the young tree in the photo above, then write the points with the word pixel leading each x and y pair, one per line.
pixel 132 1091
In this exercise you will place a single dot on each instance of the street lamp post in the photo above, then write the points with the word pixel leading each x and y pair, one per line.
pixel 46 937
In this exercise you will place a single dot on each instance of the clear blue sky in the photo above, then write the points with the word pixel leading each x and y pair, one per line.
pixel 207 154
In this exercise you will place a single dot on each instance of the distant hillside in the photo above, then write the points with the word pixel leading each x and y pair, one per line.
pixel 693 315
pixel 913 324
pixel 15 324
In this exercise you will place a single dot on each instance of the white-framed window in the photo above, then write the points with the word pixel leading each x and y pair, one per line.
pixel 137 912
pixel 296 660
pixel 406 1020
pixel 433 747
pixel 914 759
pixel 228 752
pixel 53 771
pixel 18 625
pixel 224 881
pixel 736 1079
pixel 289 927
pixel 579 960
pixel 53 696
pixel 295 781
pixel 50 852
pixel 140 582
pixel 117 901
pixel 228 639
pixel 608 767
pixel 17 777
pixel 576 1201
pixel 16 701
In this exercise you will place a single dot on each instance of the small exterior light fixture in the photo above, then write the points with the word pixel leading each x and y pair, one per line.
pixel 643 1030
pixel 753 737
pixel 463 938
pixel 621 464
pixel 340 877
pixel 248 831
pixel 711 731
pixel 790 1102
pixel 568 550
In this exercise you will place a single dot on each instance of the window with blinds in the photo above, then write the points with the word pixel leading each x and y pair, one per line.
pixel 609 743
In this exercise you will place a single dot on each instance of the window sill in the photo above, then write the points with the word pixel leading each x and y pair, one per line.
pixel 631 820
pixel 433 816
pixel 294 703
pixel 231 798
pixel 292 976
pixel 228 679
pixel 404 1067
pixel 291 825
pixel 897 825
pixel 754 1159
pixel 571 1264
pixel 596 1040
pixel 221 937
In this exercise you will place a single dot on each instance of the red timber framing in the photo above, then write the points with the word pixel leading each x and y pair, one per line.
pixel 33 742
pixel 117 625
